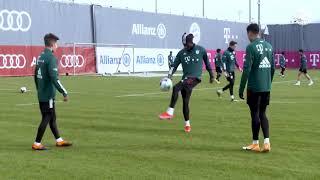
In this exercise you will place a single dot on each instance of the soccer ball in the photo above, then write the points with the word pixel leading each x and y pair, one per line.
pixel 23 89
pixel 165 84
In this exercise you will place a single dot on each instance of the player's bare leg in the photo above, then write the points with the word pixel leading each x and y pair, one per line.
pixel 309 79
pixel 298 79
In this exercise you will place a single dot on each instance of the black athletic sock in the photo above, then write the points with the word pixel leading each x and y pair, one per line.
pixel 231 88
pixel 42 127
pixel 186 94
pixel 264 121
pixel 53 125
pixel 218 76
pixel 175 94
pixel 255 122
pixel 226 87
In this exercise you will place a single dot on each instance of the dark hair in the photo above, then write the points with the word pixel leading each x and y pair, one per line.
pixel 218 50
pixel 254 27
pixel 189 38
pixel 48 38
pixel 282 53
pixel 232 43
pixel 170 51
pixel 301 50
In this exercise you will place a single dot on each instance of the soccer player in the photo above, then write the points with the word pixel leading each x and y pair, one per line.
pixel 282 64
pixel 47 81
pixel 229 62
pixel 191 57
pixel 303 69
pixel 218 64
pixel 258 71
pixel 170 60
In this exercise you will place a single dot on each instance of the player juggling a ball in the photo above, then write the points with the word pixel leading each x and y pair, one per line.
pixel 191 57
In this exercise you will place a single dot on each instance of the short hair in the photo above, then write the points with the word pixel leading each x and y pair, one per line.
pixel 218 50
pixel 301 50
pixel 189 38
pixel 282 52
pixel 170 51
pixel 48 38
pixel 232 43
pixel 254 28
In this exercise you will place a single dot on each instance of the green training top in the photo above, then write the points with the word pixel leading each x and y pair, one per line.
pixel 229 60
pixel 303 62
pixel 46 77
pixel 258 68
pixel 218 60
pixel 192 61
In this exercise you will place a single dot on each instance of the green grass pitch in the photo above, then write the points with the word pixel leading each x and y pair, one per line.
pixel 120 137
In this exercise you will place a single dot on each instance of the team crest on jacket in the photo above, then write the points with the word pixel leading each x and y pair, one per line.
pixel 197 51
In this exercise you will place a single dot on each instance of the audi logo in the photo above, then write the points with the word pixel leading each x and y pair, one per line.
pixel 72 61
pixel 12 61
pixel 14 20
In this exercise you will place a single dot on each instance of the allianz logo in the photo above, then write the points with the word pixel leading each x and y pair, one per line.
pixel 150 60
pixel 141 29
pixel 105 59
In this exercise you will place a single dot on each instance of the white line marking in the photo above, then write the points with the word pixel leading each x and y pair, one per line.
pixel 31 104
pixel 200 89
pixel 8 89
pixel 284 102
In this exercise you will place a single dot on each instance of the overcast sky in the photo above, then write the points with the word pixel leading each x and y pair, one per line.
pixel 272 11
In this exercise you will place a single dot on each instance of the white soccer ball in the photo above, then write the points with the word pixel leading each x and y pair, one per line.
pixel 165 84
pixel 23 89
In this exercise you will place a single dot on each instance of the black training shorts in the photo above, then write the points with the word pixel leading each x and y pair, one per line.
pixel 258 98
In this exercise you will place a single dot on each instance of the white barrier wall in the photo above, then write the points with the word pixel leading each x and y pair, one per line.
pixel 146 59
pixel 109 59
pixel 112 60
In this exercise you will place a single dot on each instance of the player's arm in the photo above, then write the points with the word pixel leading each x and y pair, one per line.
pixel 246 71
pixel 224 61
pixel 208 65
pixel 54 76
pixel 35 77
pixel 272 66
pixel 220 57
pixel 174 66
pixel 237 65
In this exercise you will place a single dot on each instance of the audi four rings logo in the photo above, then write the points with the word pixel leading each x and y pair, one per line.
pixel 72 61
pixel 12 61
pixel 14 20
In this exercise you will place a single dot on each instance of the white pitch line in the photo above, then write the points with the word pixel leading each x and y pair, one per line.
pixel 31 104
pixel 200 89
pixel 283 102
pixel 8 90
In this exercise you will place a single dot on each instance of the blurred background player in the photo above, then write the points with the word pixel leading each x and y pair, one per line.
pixel 229 62
pixel 282 60
pixel 170 60
pixel 47 81
pixel 218 65
pixel 191 57
pixel 303 69
pixel 259 71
